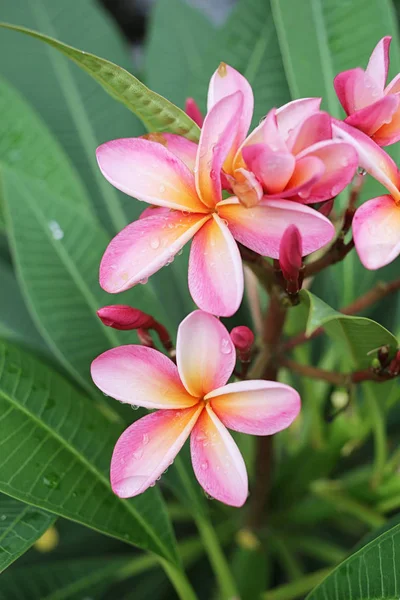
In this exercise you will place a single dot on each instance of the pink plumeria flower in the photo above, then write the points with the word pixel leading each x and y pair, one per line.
pixel 376 223
pixel 171 172
pixel 193 399
pixel 370 106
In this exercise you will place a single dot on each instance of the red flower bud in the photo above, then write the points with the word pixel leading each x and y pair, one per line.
pixel 394 367
pixel 243 340
pixel 194 112
pixel 290 255
pixel 120 316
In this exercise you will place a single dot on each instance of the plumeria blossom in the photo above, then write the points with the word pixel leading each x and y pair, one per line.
pixel 376 223
pixel 370 106
pixel 193 399
pixel 171 172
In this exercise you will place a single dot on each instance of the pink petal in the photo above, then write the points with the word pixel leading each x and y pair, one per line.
pixel 273 169
pixel 217 462
pixel 394 86
pixel 255 407
pixel 371 157
pixel 218 134
pixel 261 228
pixel 224 82
pixel 389 133
pixel 376 230
pixel 183 148
pixel 246 187
pixel 340 85
pixel 152 211
pixel 205 353
pixel 378 64
pixel 308 171
pixel 290 115
pixel 340 162
pixel 356 90
pixel 315 128
pixel 371 118
pixel 193 111
pixel 215 270
pixel 148 171
pixel 148 447
pixel 140 376
pixel 144 247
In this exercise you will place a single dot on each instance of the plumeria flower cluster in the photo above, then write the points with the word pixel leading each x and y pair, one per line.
pixel 270 191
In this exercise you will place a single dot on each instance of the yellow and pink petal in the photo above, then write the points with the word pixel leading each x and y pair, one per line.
pixel 290 115
pixel 148 447
pixel 205 353
pixel 140 376
pixel 272 168
pixel 255 407
pixel 376 115
pixel 218 465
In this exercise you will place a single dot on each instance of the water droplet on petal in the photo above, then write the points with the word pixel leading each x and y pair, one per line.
pixel 361 171
pixel 154 243
pixel 138 454
pixel 162 189
pixel 226 347
pixel 144 280
pixel 145 439
pixel 204 465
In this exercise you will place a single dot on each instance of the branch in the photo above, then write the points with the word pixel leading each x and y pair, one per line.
pixel 336 253
pixel 381 290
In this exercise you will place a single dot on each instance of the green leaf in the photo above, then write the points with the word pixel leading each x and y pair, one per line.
pixel 248 42
pixel 157 113
pixel 359 334
pixel 369 574
pixel 178 38
pixel 55 450
pixel 20 526
pixel 57 251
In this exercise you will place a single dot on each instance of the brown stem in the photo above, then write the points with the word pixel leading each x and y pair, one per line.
pixel 337 252
pixel 340 379
pixel 374 295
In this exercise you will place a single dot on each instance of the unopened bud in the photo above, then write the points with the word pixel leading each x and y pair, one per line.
pixel 243 340
pixel 290 257
pixel 383 355
pixel 193 111
pixel 120 316
pixel 394 367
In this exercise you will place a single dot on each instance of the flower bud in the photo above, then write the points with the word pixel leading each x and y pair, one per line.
pixel 394 367
pixel 290 256
pixel 120 316
pixel 325 208
pixel 383 356
pixel 193 111
pixel 243 340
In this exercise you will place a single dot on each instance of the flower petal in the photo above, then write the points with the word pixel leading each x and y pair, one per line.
pixel 371 157
pixel 273 169
pixel 261 228
pixel 183 148
pixel 218 134
pixel 266 132
pixel 356 90
pixel 205 353
pixel 193 111
pixel 144 247
pixel 376 230
pixel 218 465
pixel 389 133
pixel 215 270
pixel 224 82
pixel 372 117
pixel 255 407
pixel 148 447
pixel 340 162
pixel 394 86
pixel 378 64
pixel 148 171
pixel 290 115
pixel 140 376
pixel 307 172
pixel 315 128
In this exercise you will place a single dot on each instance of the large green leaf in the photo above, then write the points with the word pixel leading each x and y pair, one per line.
pixel 55 449
pixel 20 526
pixel 157 113
pixel 359 334
pixel 57 252
pixel 179 36
pixel 248 42
pixel 372 573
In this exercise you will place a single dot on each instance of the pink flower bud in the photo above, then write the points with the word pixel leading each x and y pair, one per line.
pixel 193 111
pixel 243 340
pixel 325 208
pixel 120 316
pixel 290 254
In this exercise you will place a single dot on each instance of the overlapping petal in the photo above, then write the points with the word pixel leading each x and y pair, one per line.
pixel 290 115
pixel 140 376
pixel 217 462
pixel 378 64
pixel 315 128
pixel 218 133
pixel 148 171
pixel 307 172
pixel 183 148
pixel 261 228
pixel 376 230
pixel 255 407
pixel 372 117
pixel 389 133
pixel 273 169
pixel 215 269
pixel 148 447
pixel 145 246
pixel 205 353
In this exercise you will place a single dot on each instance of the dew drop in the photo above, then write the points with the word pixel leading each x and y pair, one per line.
pixel 226 347
pixel 162 189
pixel 134 407
pixel 3 517
pixel 51 480
pixel 138 454
pixel 56 230
pixel 144 280
pixel 154 243
pixel 204 465
pixel 361 171
pixel 145 439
